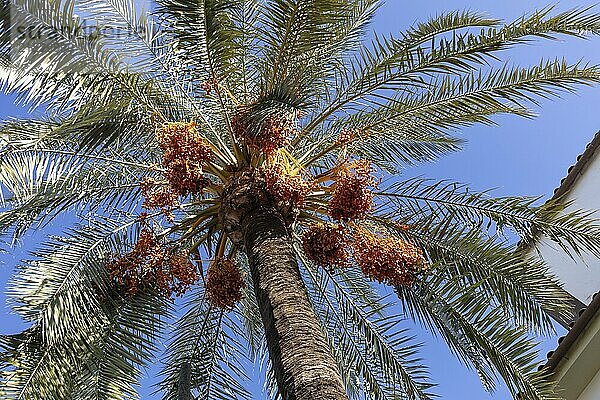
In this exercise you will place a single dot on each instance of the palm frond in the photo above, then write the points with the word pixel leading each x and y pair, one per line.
pixel 204 357
pixel 480 335
pixel 86 341
pixel 57 290
pixel 207 32
pixel 292 28
pixel 397 64
pixel 414 127
pixel 452 102
pixel 102 362
pixel 451 201
pixel 127 346
pixel 63 69
pixel 130 30
pixel 41 185
pixel 32 370
pixel 249 313
pixel 520 285
pixel 383 357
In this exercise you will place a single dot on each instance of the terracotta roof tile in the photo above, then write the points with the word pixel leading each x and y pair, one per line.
pixel 585 315
pixel 574 170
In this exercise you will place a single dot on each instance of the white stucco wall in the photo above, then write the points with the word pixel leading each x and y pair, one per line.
pixel 592 391
pixel 578 372
pixel 580 278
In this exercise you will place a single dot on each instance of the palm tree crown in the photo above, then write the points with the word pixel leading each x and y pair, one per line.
pixel 165 142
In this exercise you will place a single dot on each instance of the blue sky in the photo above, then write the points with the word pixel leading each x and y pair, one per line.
pixel 518 157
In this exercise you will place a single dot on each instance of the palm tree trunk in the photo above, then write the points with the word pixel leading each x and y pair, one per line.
pixel 300 354
pixel 184 391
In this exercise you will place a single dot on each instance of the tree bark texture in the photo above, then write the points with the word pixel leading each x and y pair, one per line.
pixel 184 391
pixel 300 354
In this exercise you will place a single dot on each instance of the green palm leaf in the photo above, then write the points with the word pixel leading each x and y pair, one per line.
pixel 480 336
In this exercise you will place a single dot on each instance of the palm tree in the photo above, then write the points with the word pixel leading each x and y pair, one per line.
pixel 244 155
